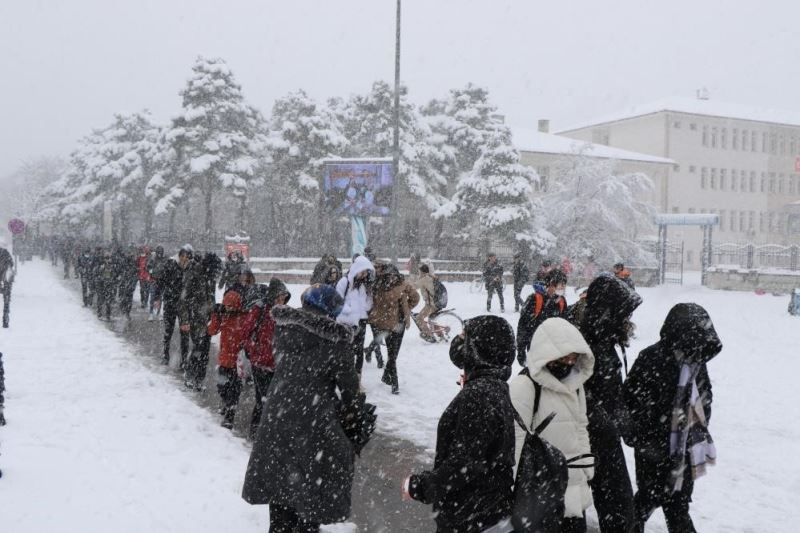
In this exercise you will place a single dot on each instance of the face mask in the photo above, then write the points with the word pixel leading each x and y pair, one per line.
pixel 559 370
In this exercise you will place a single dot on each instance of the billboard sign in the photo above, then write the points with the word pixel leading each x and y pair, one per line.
pixel 358 187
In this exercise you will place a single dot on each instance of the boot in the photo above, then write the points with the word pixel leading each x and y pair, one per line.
pixel 165 358
pixel 379 358
pixel 228 416
pixel 386 379
pixel 368 354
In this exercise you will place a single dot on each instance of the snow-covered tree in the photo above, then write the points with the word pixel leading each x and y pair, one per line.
pixel 218 139
pixel 495 200
pixel 24 193
pixel 593 210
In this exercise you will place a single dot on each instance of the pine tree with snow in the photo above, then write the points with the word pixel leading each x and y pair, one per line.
pixel 593 210
pixel 495 200
pixel 218 139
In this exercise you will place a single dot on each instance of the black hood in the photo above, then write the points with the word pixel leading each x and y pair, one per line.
pixel 276 288
pixel 487 345
pixel 609 302
pixel 689 332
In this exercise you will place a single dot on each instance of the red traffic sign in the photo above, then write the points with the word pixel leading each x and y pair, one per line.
pixel 16 226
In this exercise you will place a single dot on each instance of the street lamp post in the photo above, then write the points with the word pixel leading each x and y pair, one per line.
pixel 396 148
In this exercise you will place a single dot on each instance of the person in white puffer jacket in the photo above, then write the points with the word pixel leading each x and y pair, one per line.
pixel 356 290
pixel 560 361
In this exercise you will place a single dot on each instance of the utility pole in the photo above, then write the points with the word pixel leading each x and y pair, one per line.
pixel 396 150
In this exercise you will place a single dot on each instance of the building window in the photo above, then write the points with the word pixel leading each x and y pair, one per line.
pixel 704 178
pixel 780 184
pixel 743 187
pixel 734 179
pixel 781 222
pixel 771 222
pixel 723 139
pixel 745 138
pixel 723 175
pixel 751 221
pixel 674 209
pixel 773 143
pixel 752 181
pixel 772 182
pixel 676 124
pixel 742 221
pixel 692 169
pixel 733 220
pixel 693 126
pixel 754 142
pixel 793 146
pixel 691 210
pixel 735 139
pixel 782 145
pixel 705 135
pixel 713 179
pixel 722 220
pixel 714 137
pixel 763 182
pixel 761 222
pixel 764 145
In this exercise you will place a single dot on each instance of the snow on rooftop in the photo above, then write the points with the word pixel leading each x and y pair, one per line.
pixel 532 140
pixel 696 106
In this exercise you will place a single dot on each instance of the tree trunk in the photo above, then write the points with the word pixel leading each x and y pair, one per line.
pixel 242 212
pixel 209 193
pixel 124 225
pixel 148 221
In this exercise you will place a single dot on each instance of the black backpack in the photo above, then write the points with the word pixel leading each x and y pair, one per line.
pixel 541 476
pixel 439 294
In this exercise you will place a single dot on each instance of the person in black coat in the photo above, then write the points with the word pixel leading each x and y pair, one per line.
pixel 471 483
pixel 605 325
pixel 303 455
pixel 493 278
pixel 539 307
pixel 6 281
pixel 171 286
pixel 687 337
pixel 105 286
pixel 128 277
pixel 521 274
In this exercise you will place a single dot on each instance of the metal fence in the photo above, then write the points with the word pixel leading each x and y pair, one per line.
pixel 755 256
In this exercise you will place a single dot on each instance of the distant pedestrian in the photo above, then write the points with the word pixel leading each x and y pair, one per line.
pixel 145 279
pixel 493 278
pixel 426 288
pixel 522 275
pixel 356 291
pixel 7 269
pixel 539 307
pixel 105 286
pixel 624 274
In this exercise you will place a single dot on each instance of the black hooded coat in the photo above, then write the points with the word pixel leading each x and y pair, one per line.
pixel 471 483
pixel 302 458
pixel 688 335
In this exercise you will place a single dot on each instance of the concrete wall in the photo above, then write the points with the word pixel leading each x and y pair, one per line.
pixel 751 280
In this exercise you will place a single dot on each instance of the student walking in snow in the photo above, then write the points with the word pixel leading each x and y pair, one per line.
pixel 315 420
pixel 105 286
pixel 559 363
pixel 259 330
pixel 606 325
pixel 155 267
pixel 390 317
pixel 356 291
pixel 170 283
pixel 427 289
pixel 470 485
pixel 229 320
pixel 145 279
pixel 539 307
pixel 521 274
pixel 668 393
pixel 493 278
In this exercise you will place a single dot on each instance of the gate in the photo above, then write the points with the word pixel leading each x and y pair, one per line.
pixel 673 265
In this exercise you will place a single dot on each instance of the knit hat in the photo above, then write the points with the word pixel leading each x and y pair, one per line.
pixel 232 300
pixel 323 298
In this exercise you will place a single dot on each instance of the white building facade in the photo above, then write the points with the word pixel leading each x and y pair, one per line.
pixel 741 164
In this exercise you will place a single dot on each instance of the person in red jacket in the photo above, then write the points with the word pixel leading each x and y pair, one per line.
pixel 260 328
pixel 229 320
pixel 145 279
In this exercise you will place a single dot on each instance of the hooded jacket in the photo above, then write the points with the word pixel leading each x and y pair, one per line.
pixel 357 300
pixel 393 300
pixel 688 335
pixel 259 326
pixel 470 485
pixel 231 325
pixel 568 432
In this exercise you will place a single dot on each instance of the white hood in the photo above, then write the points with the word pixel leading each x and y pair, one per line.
pixel 357 302
pixel 554 339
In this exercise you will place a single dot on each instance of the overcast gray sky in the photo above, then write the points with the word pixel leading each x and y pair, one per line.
pixel 67 66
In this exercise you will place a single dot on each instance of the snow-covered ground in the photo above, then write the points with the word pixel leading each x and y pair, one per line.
pixel 100 441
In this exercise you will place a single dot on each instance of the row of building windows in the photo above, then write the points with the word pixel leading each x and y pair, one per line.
pixel 723 179
pixel 746 140
pixel 745 221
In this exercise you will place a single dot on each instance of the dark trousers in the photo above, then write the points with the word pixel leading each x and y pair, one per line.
pixel 144 292
pixel 491 289
pixel 105 297
pixel 170 318
pixel 573 524
pixel 286 520
pixel 229 387
pixel 66 267
pixel 197 361
pixel 393 342
pixel 261 380
pixel 86 291
pixel 126 291
pixel 6 305
pixel 357 348
pixel 518 303
pixel 374 347
pixel 611 485
pixel 650 477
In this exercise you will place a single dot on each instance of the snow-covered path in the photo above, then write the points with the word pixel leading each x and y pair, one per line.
pixel 96 441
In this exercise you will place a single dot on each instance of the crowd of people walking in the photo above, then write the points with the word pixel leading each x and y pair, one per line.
pixel 311 417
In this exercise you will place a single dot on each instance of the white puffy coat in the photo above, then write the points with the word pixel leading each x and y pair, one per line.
pixel 554 339
pixel 357 301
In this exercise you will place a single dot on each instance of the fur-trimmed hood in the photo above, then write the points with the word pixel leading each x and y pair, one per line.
pixel 316 324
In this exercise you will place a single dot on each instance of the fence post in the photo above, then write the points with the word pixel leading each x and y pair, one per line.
pixel 750 253
pixel 793 258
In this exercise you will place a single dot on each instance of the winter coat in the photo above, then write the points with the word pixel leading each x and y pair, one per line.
pixel 155 265
pixel 471 483
pixel 568 430
pixel 144 275
pixel 529 319
pixel 425 286
pixel 391 309
pixel 493 275
pixel 194 304
pixel 260 327
pixel 301 457
pixel 169 280
pixel 652 383
pixel 357 300
pixel 231 273
pixel 231 325
pixel 521 273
